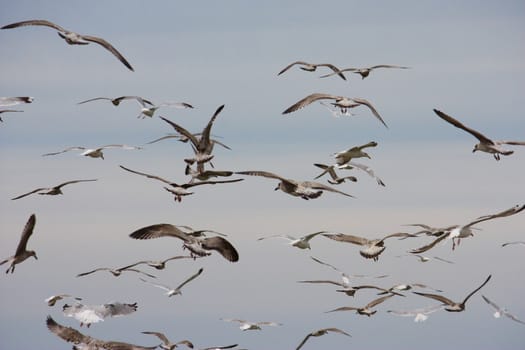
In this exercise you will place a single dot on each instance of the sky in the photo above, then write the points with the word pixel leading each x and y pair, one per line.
pixel 465 58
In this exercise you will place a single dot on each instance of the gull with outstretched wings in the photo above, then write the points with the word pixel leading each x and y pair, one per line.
pixel 364 71
pixel 56 190
pixel 319 333
pixel 311 67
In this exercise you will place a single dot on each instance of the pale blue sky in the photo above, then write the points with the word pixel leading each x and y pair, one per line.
pixel 466 59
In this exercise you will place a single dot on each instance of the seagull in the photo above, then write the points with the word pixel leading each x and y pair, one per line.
pixel 92 152
pixel 159 265
pixel 180 190
pixel 372 247
pixel 319 333
pixel 51 190
pixel 457 232
pixel 116 101
pixel 330 170
pixel 365 310
pixel 343 157
pixel 450 305
pixel 363 72
pixel 22 253
pixel 501 311
pixel 72 38
pixel 84 342
pixel 51 301
pixel 340 101
pixel 166 344
pixel 420 314
pixel 311 67
pixel 304 189
pixel 348 166
pixel 423 258
pixel 301 242
pixel 247 325
pixel 485 144
pixel 174 291
pixel 6 111
pixel 202 146
pixel 88 314
pixel 12 101
pixel 198 246
pixel 114 272
pixel 511 243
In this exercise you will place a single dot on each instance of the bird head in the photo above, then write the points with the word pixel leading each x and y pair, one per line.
pixel 33 254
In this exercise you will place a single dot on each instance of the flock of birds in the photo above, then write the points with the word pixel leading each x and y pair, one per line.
pixel 201 243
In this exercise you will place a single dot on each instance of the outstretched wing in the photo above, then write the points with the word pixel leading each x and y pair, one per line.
pixel 34 22
pixel 309 99
pixel 108 47
pixel 341 237
pixel 458 124
pixel 69 334
pixel 362 101
pixel 225 248
pixel 28 193
pixel 26 233
pixel 319 186
pixel 147 175
pixel 159 230
pixel 291 65
pixel 191 278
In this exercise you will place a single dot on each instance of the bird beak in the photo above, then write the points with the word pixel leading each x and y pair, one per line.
pixel 275 189
pixel 35 257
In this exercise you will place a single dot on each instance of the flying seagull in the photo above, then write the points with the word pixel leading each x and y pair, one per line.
pixel 51 190
pixel 365 71
pixel 319 333
pixel 159 265
pixel 12 101
pixel 116 101
pixel 342 102
pixel 7 111
pixel 248 325
pixel 166 343
pixel 198 246
pixel 420 315
pixel 372 248
pixel 485 144
pixel 501 311
pixel 457 232
pixel 365 310
pixel 304 189
pixel 450 305
pixel 311 67
pixel 91 152
pixel 343 157
pixel 330 170
pixel 114 272
pixel 301 242
pixel 84 342
pixel 350 165
pixel 180 190
pixel 177 290
pixel 22 253
pixel 72 38
pixel 88 314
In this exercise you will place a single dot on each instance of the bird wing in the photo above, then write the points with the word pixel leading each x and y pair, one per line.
pixel 312 235
pixel 291 65
pixel 117 309
pixel 194 140
pixel 367 170
pixel 344 308
pixel 119 146
pixel 140 100
pixel 341 237
pixel 26 233
pixel 388 66
pixel 92 271
pixel 335 330
pixel 204 142
pixel 515 143
pixel 398 234
pixel 73 182
pixel 225 248
pixel 324 282
pixel 262 173
pixel 74 148
pixel 159 335
pixel 209 182
pixel 370 144
pixel 303 341
pixel 108 47
pixel 444 260
pixel 309 99
pixel 191 278
pixel 94 99
pixel 339 72
pixel 431 244
pixel 319 186
pixel 12 101
pixel 160 230
pixel 138 271
pixel 362 101
pixel 28 193
pixel 147 175
pixel 378 301
pixel 458 124
pixel 35 22
pixel 326 169
pixel 437 297
pixel 69 334
pixel 491 303
pixel 333 68
pixel 508 212
pixel 475 290
pixel 158 285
